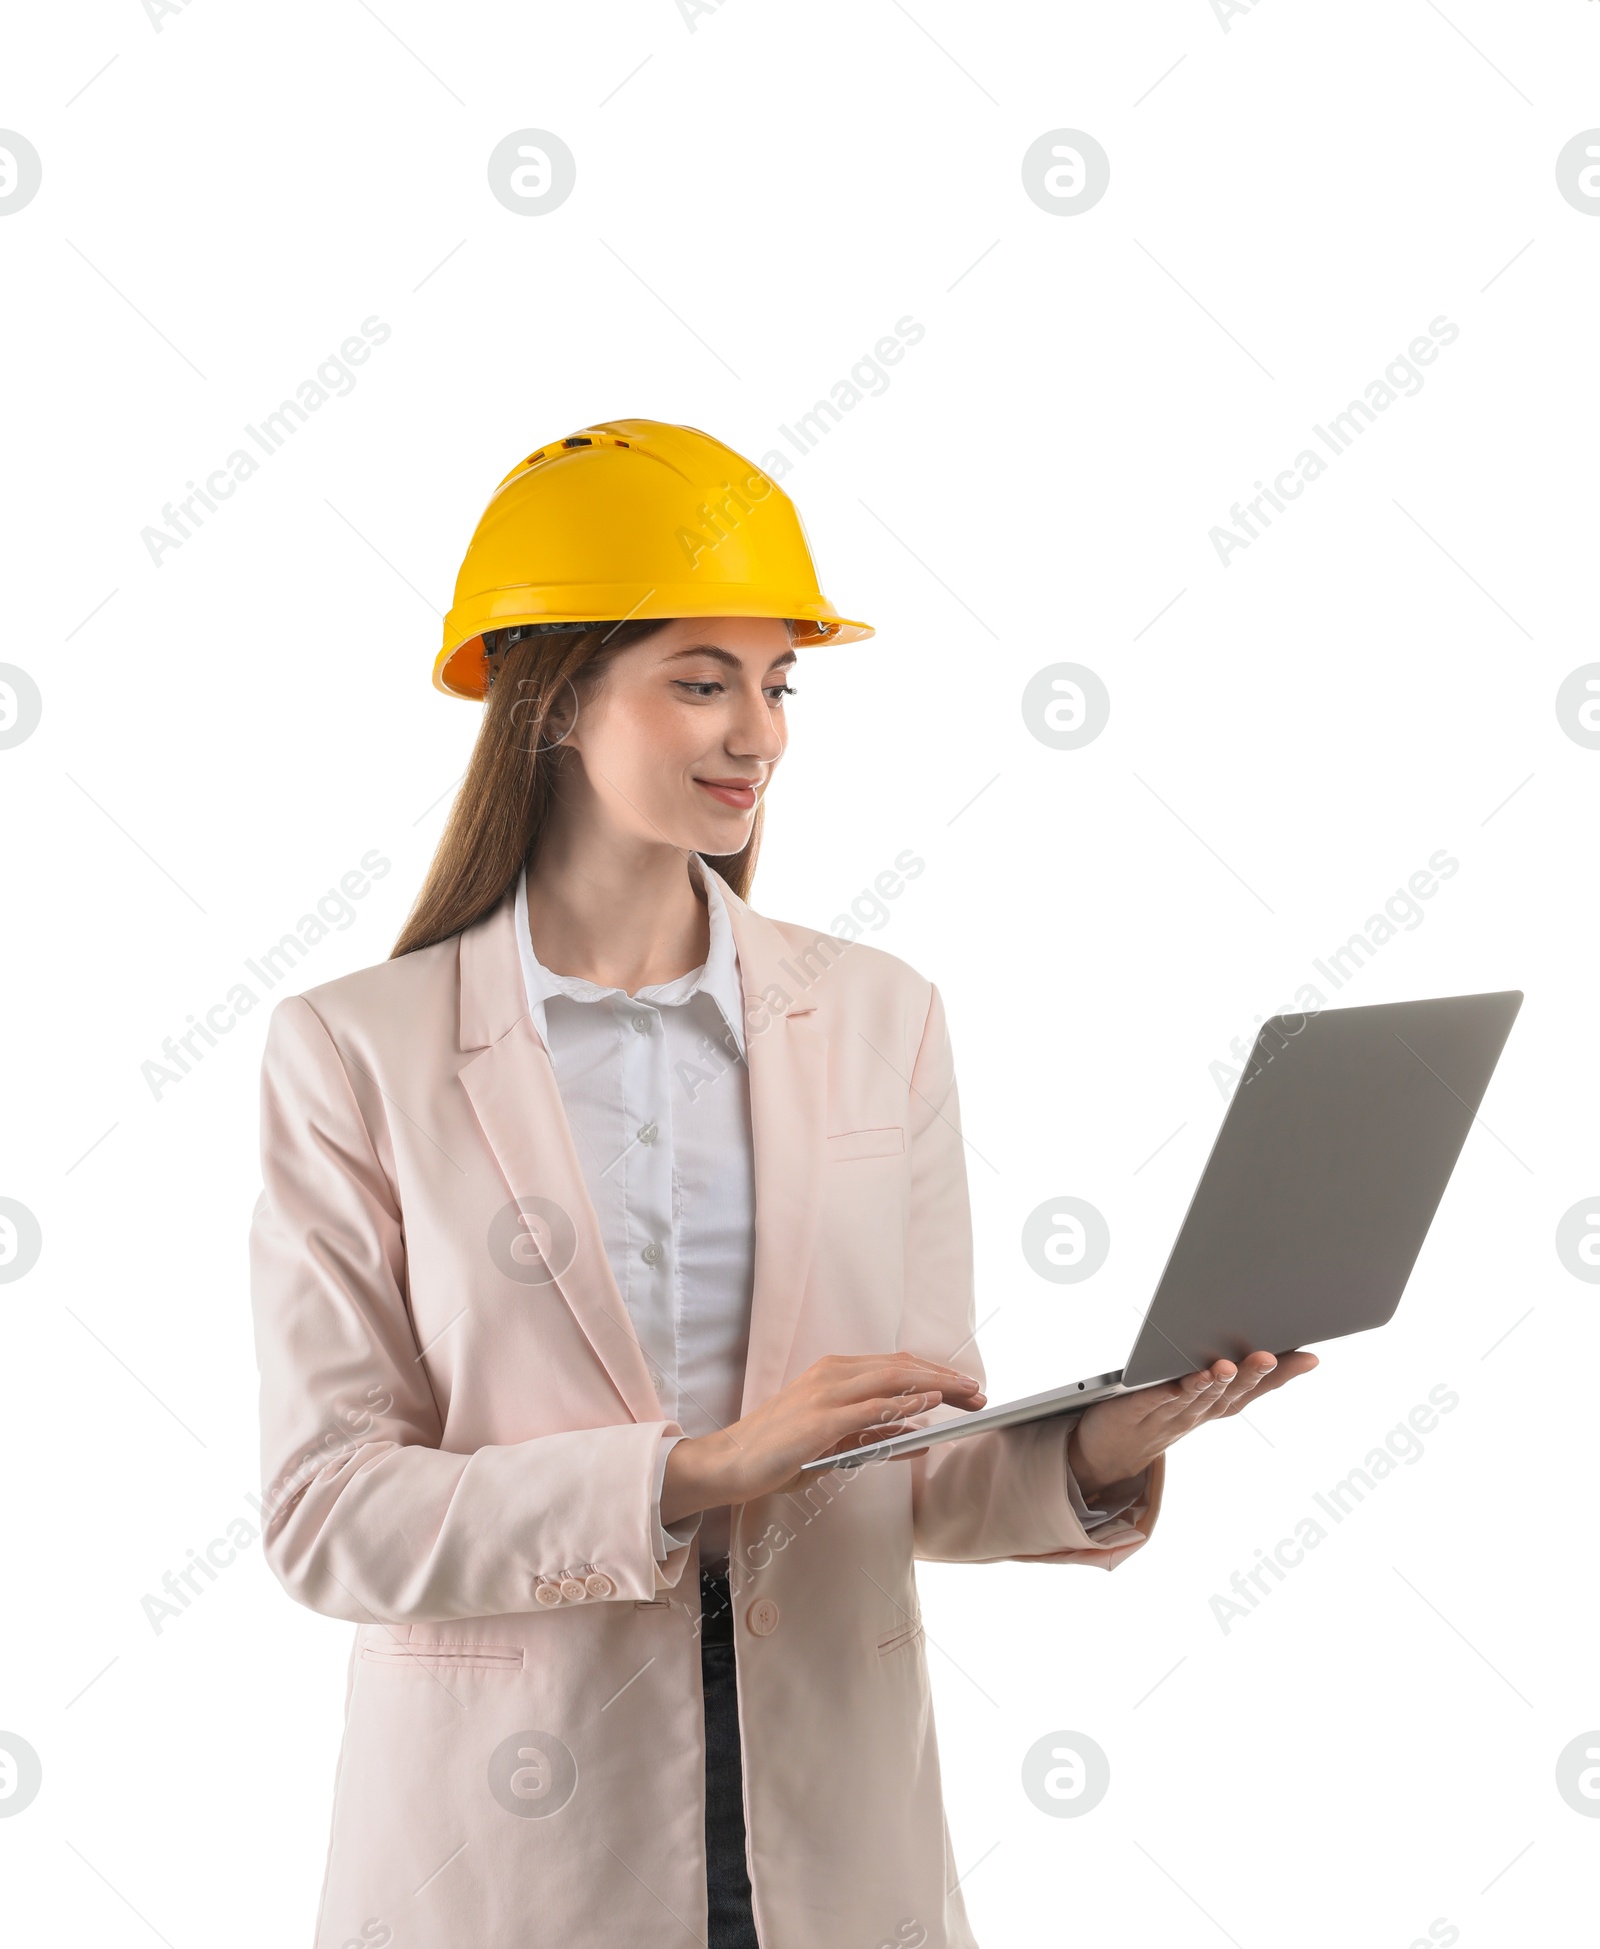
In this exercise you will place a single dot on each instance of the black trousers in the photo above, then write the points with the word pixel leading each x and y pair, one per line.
pixel 731 1924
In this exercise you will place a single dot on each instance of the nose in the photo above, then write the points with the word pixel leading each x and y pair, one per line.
pixel 757 732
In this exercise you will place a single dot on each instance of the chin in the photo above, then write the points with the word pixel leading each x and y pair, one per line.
pixel 719 838
pixel 720 845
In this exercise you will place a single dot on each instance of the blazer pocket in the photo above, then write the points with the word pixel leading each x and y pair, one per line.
pixel 888 1142
pixel 897 1640
pixel 438 1654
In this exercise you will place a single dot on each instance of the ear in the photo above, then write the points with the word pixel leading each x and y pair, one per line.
pixel 562 719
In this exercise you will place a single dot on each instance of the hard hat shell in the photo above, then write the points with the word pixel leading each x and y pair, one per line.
pixel 632 520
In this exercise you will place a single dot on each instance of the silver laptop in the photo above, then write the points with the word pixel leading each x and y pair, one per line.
pixel 1324 1178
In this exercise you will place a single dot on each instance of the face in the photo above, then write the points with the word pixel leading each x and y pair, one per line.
pixel 684 732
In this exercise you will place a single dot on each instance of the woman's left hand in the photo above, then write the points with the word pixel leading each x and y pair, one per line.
pixel 1122 1436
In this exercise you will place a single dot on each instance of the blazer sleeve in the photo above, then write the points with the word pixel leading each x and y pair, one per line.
pixel 365 1515
pixel 1009 1493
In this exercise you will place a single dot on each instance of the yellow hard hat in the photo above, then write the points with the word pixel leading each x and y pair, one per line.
pixel 632 520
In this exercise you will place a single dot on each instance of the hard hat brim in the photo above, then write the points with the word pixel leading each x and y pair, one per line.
pixel 458 670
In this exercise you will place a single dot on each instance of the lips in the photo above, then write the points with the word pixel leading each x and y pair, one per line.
pixel 737 792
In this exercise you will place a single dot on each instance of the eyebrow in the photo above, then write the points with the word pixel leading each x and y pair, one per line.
pixel 727 657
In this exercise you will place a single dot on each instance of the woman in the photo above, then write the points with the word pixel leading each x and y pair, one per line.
pixel 589 1217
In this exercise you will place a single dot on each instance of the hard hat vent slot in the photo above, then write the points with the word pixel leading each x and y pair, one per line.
pixel 574 440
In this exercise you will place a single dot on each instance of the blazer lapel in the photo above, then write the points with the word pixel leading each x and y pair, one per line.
pixel 787 1054
pixel 513 1091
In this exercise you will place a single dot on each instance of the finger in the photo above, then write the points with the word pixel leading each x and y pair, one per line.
pixel 1289 1366
pixel 1166 1398
pixel 865 1420
pixel 881 1409
pixel 961 1394
pixel 1193 1395
pixel 1214 1387
pixel 881 1377
pixel 908 1369
pixel 1240 1391
pixel 902 1407
pixel 1251 1371
pixel 864 1437
pixel 900 1361
pixel 1239 1386
pixel 1257 1373
pixel 1212 1400
pixel 934 1373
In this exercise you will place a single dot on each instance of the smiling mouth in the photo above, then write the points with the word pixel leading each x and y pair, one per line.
pixel 737 792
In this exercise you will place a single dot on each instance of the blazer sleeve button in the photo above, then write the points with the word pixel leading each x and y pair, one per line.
pixel 546 1594
pixel 598 1585
pixel 762 1617
pixel 572 1590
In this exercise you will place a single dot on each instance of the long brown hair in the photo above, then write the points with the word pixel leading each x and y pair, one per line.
pixel 504 802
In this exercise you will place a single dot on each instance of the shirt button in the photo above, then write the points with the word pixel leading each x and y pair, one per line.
pixel 572 1589
pixel 598 1585
pixel 648 1133
pixel 547 1594
pixel 651 1254
pixel 642 1024
pixel 762 1617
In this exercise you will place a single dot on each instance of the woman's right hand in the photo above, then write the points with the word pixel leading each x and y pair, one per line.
pixel 835 1405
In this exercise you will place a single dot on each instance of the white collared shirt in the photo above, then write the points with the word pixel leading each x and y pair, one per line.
pixel 657 1095
pixel 656 1091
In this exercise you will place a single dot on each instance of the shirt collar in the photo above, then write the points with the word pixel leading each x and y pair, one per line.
pixel 718 976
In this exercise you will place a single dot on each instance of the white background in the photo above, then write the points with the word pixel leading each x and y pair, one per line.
pixel 760 196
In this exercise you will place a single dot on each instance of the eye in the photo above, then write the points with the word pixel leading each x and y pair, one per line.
pixel 708 687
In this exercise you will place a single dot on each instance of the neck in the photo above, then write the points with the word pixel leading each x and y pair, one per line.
pixel 623 916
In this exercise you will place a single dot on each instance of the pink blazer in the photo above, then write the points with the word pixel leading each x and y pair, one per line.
pixel 458 1439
